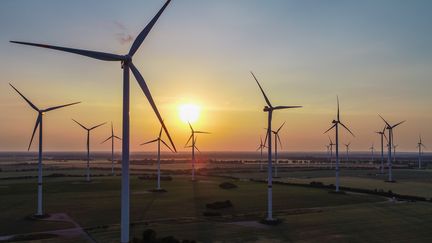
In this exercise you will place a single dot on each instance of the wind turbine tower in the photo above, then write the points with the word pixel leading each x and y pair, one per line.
pixel 269 108
pixel 41 113
pixel 336 124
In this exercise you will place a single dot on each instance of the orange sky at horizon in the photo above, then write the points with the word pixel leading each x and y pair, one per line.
pixel 202 53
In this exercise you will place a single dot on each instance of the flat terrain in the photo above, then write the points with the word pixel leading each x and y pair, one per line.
pixel 308 214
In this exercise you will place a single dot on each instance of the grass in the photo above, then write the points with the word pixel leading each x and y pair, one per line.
pixel 325 217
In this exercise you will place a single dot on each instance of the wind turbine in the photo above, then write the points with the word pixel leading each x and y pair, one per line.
pixel 126 64
pixel 88 145
pixel 112 147
pixel 328 151
pixel 382 135
pixel 158 140
pixel 331 144
pixel 394 152
pixel 277 139
pixel 347 145
pixel 390 141
pixel 336 124
pixel 192 136
pixel 269 109
pixel 372 148
pixel 39 119
pixel 420 145
pixel 260 148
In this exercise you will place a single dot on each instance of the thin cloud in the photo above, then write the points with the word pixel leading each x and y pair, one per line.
pixel 122 34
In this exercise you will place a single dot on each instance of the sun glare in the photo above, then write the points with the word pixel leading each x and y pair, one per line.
pixel 189 112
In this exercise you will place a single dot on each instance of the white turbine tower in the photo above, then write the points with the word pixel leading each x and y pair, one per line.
pixel 390 141
pixel 260 148
pixel 192 137
pixel 277 139
pixel 126 64
pixel 88 145
pixel 158 140
pixel 269 109
pixel 39 119
pixel 372 148
pixel 382 135
pixel 112 147
pixel 336 124
pixel 420 145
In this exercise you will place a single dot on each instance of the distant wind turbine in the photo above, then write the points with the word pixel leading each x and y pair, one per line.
pixel 88 145
pixel 336 124
pixel 269 108
pixel 420 145
pixel 394 152
pixel 328 151
pixel 347 146
pixel 193 146
pixel 112 147
pixel 382 135
pixel 390 141
pixel 260 148
pixel 372 148
pixel 158 140
pixel 277 139
pixel 331 144
pixel 39 119
pixel 126 64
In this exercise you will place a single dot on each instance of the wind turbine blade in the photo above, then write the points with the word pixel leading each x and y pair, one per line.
pixel 330 128
pixel 338 117
pixel 97 126
pixel 279 140
pixel 28 101
pixel 34 130
pixel 141 37
pixel 160 132
pixel 80 124
pixel 398 124
pixel 93 54
pixel 265 140
pixel 191 128
pixel 167 145
pixel 107 139
pixel 202 132
pixel 189 140
pixel 60 106
pixel 112 130
pixel 152 141
pixel 117 137
pixel 259 85
pixel 287 107
pixel 280 127
pixel 347 129
pixel 197 149
pixel 388 125
pixel 147 93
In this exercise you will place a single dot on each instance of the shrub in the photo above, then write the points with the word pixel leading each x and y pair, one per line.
pixel 227 185
pixel 219 205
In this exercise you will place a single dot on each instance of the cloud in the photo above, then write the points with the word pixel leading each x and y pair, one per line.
pixel 122 34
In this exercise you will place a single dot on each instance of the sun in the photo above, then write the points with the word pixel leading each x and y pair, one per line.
pixel 189 112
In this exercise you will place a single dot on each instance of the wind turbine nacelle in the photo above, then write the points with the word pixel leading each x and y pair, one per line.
pixel 267 109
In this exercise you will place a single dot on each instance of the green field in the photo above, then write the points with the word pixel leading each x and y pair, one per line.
pixel 309 214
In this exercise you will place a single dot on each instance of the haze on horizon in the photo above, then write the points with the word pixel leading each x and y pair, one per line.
pixel 376 55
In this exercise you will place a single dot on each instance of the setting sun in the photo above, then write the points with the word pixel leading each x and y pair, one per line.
pixel 189 112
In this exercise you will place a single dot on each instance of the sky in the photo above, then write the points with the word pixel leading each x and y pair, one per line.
pixel 375 55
